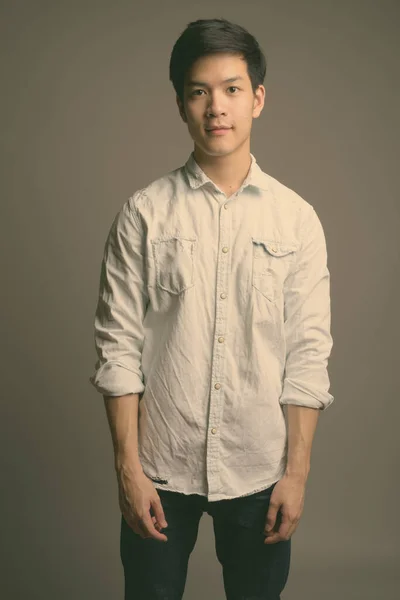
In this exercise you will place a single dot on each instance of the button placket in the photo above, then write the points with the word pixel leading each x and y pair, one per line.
pixel 216 401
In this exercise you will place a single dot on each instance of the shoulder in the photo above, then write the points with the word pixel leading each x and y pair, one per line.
pixel 157 190
pixel 286 196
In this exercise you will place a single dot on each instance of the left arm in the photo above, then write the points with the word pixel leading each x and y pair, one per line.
pixel 301 423
pixel 306 383
pixel 287 497
pixel 308 343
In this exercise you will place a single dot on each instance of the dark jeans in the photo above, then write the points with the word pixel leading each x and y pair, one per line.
pixel 252 570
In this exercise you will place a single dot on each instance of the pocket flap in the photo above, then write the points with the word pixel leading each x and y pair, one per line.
pixel 277 248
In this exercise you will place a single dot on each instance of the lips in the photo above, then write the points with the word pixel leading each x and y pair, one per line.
pixel 214 128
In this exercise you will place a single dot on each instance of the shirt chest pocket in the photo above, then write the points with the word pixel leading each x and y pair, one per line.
pixel 271 264
pixel 174 260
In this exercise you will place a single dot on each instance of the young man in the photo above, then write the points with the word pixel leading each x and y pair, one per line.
pixel 213 314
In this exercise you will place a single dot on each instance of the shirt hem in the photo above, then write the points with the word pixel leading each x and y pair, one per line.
pixel 259 489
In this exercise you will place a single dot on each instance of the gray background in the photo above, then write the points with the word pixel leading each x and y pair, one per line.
pixel 88 117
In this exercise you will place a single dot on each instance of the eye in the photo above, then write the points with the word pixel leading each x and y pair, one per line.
pixel 234 87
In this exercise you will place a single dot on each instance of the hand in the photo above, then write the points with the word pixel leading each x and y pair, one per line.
pixel 288 498
pixel 137 496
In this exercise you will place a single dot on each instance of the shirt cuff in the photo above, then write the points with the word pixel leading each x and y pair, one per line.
pixel 114 379
pixel 295 393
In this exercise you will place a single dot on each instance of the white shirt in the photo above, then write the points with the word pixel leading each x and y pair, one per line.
pixel 216 310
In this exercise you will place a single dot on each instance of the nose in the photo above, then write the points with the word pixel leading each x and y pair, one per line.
pixel 215 106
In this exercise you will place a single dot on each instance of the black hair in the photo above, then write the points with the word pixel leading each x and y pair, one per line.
pixel 211 36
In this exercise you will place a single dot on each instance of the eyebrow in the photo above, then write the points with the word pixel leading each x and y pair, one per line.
pixel 229 80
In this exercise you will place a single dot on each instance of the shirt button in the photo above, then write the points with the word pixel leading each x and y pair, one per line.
pixel 217 386
pixel 225 249
pixel 223 295
pixel 225 206
pixel 273 248
pixel 213 430
pixel 220 339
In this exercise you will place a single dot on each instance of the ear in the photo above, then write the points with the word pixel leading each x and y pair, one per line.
pixel 259 99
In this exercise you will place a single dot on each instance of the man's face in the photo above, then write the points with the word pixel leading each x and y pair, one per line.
pixel 211 102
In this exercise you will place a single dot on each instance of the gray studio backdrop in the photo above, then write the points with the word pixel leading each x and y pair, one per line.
pixel 88 117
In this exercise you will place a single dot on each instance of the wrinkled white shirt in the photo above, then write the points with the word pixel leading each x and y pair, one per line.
pixel 216 310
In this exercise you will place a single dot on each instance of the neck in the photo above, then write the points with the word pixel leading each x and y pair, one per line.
pixel 227 172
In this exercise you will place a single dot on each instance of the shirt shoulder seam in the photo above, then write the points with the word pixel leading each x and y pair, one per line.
pixel 132 206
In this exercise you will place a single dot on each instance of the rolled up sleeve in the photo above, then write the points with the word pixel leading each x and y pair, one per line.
pixel 307 321
pixel 121 307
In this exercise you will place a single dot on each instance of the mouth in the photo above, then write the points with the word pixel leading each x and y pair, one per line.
pixel 221 131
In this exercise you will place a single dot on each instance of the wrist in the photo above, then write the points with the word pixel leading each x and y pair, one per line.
pixel 299 473
pixel 127 464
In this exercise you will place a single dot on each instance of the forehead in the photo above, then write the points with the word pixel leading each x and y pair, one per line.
pixel 217 69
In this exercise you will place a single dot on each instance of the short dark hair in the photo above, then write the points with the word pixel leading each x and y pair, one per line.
pixel 211 36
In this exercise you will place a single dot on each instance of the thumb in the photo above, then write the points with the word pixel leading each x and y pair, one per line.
pixel 159 512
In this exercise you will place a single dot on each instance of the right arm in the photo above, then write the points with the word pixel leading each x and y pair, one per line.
pixel 136 492
pixel 119 338
pixel 122 414
pixel 121 308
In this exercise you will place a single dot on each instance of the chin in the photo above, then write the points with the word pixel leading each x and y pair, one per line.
pixel 214 151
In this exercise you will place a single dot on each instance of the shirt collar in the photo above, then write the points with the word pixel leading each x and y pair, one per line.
pixel 196 176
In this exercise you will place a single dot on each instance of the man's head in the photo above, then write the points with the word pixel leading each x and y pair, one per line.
pixel 206 54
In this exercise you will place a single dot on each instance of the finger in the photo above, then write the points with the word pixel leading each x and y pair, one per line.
pixel 136 526
pixel 284 527
pixel 150 530
pixel 270 519
pixel 156 524
pixel 159 512
pixel 279 535
pixel 154 519
pixel 272 539
pixel 143 531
